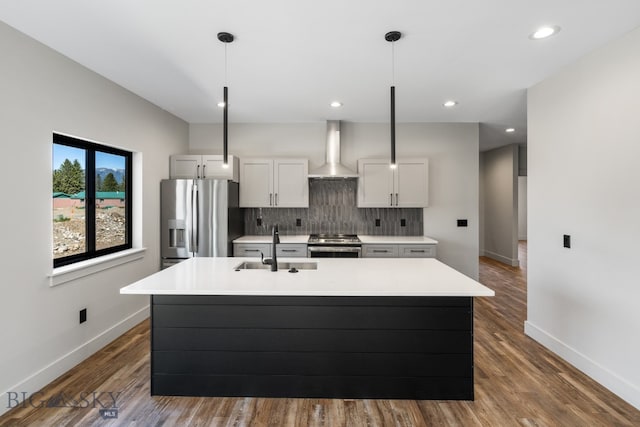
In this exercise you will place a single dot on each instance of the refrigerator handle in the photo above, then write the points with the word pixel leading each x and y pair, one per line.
pixel 197 222
pixel 191 247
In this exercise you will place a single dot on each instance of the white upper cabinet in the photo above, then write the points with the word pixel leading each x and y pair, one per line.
pixel 276 183
pixel 379 186
pixel 204 166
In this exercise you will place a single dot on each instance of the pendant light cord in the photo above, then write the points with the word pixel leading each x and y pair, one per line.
pixel 225 65
pixel 393 64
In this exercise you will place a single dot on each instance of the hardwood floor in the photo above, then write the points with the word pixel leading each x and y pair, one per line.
pixel 518 382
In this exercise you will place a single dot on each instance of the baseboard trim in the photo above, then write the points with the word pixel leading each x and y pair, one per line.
pixel 503 259
pixel 618 385
pixel 63 364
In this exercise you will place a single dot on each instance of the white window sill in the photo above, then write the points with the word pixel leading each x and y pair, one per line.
pixel 77 270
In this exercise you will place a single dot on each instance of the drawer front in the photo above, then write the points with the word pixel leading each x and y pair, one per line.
pixel 251 249
pixel 417 251
pixel 379 251
pixel 291 250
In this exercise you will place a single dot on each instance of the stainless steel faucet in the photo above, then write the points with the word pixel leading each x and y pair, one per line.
pixel 275 239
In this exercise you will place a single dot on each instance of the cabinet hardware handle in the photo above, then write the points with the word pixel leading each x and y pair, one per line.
pixel 252 250
pixel 421 251
pixel 270 199
pixel 391 199
pixel 383 251
pixel 396 199
pixel 198 172
pixel 276 199
pixel 288 250
pixel 204 175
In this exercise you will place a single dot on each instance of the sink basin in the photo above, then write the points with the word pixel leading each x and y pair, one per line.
pixel 257 265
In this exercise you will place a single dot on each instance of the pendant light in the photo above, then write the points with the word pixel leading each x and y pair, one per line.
pixel 392 37
pixel 225 38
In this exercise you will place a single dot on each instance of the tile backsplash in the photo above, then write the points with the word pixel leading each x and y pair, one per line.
pixel 332 209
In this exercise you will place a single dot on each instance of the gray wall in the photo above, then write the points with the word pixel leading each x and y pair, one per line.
pixel 44 92
pixel 500 204
pixel 584 181
pixel 452 149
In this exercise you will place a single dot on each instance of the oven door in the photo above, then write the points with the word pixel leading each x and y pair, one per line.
pixel 334 251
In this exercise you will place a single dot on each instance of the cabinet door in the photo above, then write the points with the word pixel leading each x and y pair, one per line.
pixel 185 166
pixel 256 189
pixel 251 249
pixel 291 250
pixel 379 251
pixel 375 184
pixel 411 184
pixel 212 167
pixel 417 251
pixel 291 183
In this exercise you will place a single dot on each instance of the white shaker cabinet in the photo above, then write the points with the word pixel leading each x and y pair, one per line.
pixel 196 166
pixel 406 186
pixel 276 183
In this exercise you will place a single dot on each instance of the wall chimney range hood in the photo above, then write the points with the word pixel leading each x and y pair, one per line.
pixel 333 168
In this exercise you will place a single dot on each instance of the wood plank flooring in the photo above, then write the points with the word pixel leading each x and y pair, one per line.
pixel 518 383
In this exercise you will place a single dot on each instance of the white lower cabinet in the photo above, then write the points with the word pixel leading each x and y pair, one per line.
pixel 398 251
pixel 251 249
pixel 291 250
pixel 283 250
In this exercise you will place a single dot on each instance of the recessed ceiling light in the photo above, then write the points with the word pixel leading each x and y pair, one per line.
pixel 450 104
pixel 544 32
pixel 509 130
pixel 221 104
pixel 336 104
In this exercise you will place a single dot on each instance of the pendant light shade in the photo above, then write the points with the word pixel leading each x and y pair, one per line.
pixel 225 38
pixel 392 37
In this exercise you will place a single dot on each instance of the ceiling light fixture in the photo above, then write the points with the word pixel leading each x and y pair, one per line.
pixel 509 130
pixel 450 104
pixel 336 104
pixel 392 37
pixel 225 38
pixel 544 32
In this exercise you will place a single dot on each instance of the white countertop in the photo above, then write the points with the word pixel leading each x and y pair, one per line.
pixel 334 277
pixel 397 240
pixel 302 238
pixel 389 240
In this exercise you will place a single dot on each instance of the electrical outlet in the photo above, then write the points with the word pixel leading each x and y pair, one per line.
pixel 567 241
pixel 83 315
pixel 259 222
pixel 403 222
pixel 298 222
pixel 462 223
pixel 377 222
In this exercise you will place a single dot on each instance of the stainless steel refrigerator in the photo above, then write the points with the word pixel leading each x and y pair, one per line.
pixel 199 218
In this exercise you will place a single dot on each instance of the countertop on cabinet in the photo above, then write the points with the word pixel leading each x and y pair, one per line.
pixel 303 238
pixel 267 239
pixel 333 277
pixel 397 240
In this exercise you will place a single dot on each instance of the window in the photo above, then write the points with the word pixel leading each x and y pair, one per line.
pixel 91 200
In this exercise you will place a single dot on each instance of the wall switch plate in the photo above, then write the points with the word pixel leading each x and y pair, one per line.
pixel 566 241
pixel 403 222
pixel 377 222
pixel 462 223
pixel 83 315
pixel 298 222
pixel 259 222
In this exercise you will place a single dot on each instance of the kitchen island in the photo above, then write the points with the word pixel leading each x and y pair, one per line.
pixel 349 328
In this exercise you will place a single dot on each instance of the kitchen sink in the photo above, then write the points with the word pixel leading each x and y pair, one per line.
pixel 285 266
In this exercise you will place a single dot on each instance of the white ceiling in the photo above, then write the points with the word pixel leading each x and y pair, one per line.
pixel 291 58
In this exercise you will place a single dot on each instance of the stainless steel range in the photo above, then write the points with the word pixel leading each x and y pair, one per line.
pixel 334 246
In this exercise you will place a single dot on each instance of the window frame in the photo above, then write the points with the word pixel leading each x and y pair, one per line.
pixel 90 149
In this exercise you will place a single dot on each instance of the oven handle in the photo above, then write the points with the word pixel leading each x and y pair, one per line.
pixel 312 249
